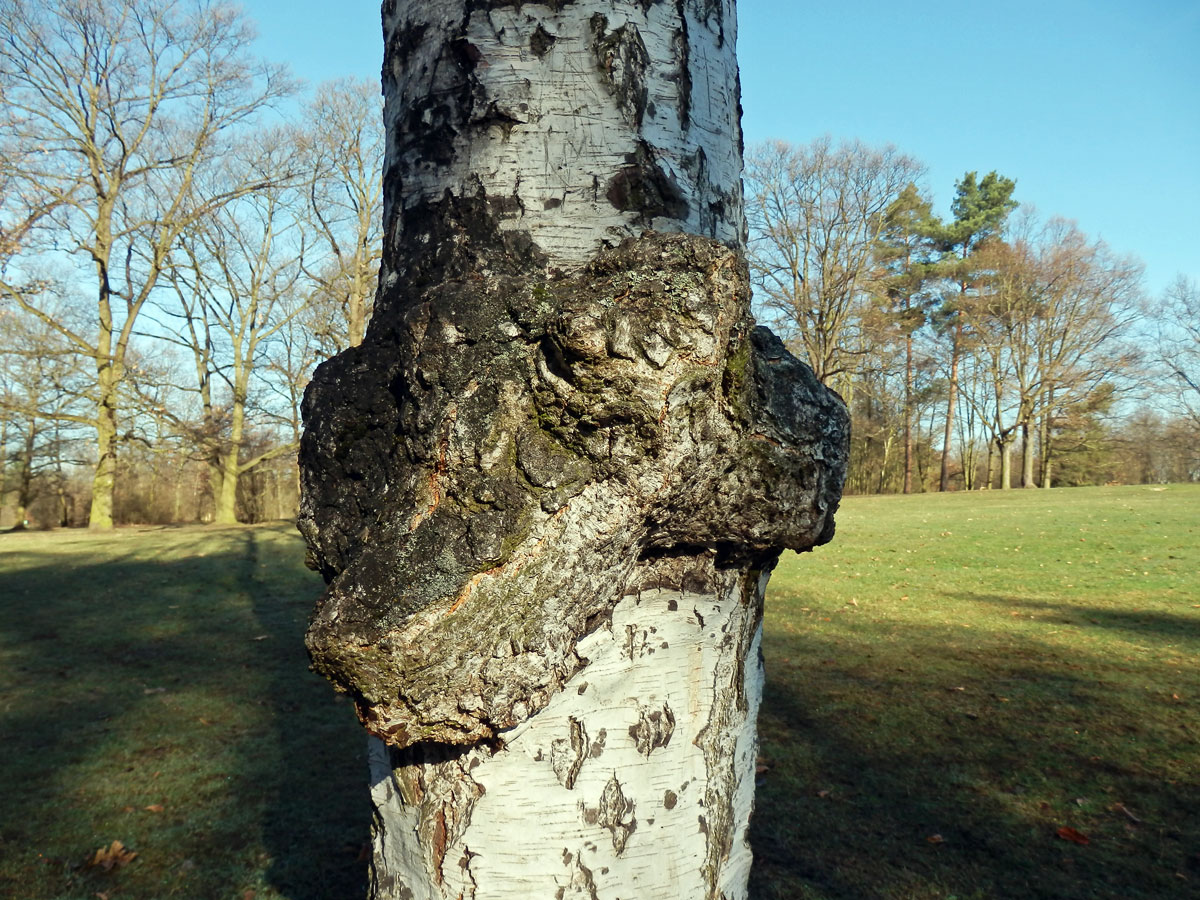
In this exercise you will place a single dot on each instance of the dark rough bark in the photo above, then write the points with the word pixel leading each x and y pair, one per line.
pixel 457 463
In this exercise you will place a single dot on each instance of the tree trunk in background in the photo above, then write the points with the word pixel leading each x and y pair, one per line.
pixel 1045 444
pixel 104 480
pixel 549 487
pixel 951 402
pixel 1027 456
pixel 908 410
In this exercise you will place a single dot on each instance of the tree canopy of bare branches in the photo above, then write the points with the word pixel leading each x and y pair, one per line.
pixel 817 213
pixel 112 110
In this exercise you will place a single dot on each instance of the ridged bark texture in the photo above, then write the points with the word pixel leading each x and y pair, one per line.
pixel 547 490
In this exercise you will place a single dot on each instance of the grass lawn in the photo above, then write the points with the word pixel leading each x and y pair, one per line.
pixel 154 691
pixel 956 678
pixel 951 683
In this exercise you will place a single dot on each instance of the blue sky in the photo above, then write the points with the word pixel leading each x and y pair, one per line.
pixel 1093 107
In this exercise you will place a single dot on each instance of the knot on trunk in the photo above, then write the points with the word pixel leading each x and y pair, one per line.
pixel 485 476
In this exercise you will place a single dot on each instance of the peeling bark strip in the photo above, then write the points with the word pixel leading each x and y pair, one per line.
pixel 547 490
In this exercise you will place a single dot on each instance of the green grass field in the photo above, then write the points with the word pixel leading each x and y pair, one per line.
pixel 951 684
pixel 956 678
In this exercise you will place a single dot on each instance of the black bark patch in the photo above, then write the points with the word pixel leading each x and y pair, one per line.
pixel 452 237
pixel 644 188
pixel 623 61
pixel 616 813
pixel 467 54
pixel 683 57
pixel 541 41
pixel 406 39
pixel 653 729
pixel 598 745
pixel 670 798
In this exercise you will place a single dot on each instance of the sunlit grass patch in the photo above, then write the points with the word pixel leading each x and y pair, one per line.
pixel 957 678
pixel 950 683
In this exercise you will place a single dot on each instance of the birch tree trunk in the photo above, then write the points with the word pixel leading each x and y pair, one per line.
pixel 549 487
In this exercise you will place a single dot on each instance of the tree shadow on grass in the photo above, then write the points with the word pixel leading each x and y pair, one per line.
pixel 157 693
pixel 317 827
pixel 1147 623
pixel 920 765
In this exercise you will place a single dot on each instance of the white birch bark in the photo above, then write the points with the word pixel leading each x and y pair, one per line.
pixel 547 489
pixel 581 122
pixel 637 780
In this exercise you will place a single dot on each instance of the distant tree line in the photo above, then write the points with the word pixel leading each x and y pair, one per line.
pixel 177 252
pixel 988 350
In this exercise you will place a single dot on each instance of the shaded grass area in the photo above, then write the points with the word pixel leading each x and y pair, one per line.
pixel 957 678
pixel 154 690
pixel 951 682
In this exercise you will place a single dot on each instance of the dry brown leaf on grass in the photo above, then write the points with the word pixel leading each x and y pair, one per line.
pixel 154 808
pixel 114 856
pixel 1075 837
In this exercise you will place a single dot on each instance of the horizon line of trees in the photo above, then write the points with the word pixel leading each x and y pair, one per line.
pixel 177 254
pixel 989 349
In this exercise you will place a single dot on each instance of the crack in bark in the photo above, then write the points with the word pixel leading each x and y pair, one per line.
pixel 653 729
pixel 568 754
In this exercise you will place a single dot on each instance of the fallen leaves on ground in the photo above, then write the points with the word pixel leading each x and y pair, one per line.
pixel 114 856
pixel 1075 837
pixel 154 808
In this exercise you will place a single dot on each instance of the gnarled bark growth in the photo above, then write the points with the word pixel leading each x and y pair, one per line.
pixel 549 487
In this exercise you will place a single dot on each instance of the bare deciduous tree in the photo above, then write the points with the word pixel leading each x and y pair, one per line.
pixel 237 279
pixel 43 406
pixel 343 137
pixel 117 106
pixel 817 213
pixel 1178 320
pixel 1047 325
